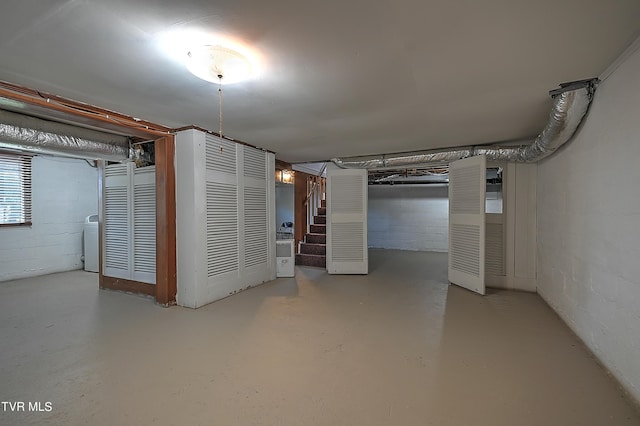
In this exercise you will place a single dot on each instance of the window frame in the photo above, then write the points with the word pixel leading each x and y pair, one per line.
pixel 24 163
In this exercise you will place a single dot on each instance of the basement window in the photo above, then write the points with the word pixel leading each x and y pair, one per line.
pixel 15 189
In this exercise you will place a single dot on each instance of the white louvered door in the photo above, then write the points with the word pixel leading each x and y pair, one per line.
pixel 495 245
pixel 256 242
pixel 222 228
pixel 129 222
pixel 223 256
pixel 117 221
pixel 225 217
pixel 238 219
pixel 467 186
pixel 347 195
pixel 144 224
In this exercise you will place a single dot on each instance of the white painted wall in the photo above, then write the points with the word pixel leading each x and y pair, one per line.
pixel 284 204
pixel 519 219
pixel 409 217
pixel 65 191
pixel 589 227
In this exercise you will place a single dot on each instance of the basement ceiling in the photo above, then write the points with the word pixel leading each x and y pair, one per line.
pixel 338 78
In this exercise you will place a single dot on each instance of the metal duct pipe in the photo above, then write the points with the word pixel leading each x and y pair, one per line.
pixel 398 161
pixel 32 134
pixel 570 104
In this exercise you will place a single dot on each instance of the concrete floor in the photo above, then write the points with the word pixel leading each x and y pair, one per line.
pixel 396 347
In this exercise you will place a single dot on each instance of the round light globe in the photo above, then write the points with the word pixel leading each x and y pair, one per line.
pixel 212 61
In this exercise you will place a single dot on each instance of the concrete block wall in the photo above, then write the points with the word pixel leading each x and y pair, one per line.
pixel 589 227
pixel 64 191
pixel 409 217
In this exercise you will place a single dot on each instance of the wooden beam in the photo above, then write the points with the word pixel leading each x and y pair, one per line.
pixel 57 108
pixel 166 277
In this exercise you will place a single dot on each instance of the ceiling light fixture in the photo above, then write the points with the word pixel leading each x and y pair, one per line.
pixel 287 176
pixel 216 63
pixel 209 62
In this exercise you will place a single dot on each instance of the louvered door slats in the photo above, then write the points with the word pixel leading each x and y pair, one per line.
pixel 467 223
pixel 255 226
pixel 222 229
pixel 116 221
pixel 494 256
pixel 144 224
pixel 347 221
pixel 130 222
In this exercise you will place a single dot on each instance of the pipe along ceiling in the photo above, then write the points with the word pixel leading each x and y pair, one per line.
pixel 570 104
pixel 40 136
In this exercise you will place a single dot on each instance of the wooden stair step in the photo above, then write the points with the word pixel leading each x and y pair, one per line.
pixel 319 261
pixel 318 229
pixel 315 238
pixel 309 248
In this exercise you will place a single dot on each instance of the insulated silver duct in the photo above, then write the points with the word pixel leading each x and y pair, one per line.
pixel 570 104
pixel 398 161
pixel 32 134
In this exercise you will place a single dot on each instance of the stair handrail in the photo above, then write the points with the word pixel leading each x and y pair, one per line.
pixel 310 193
pixel 315 190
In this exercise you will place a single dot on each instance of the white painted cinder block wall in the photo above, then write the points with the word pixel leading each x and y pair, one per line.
pixel 409 217
pixel 589 227
pixel 65 192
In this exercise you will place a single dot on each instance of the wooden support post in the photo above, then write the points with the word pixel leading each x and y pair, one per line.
pixel 100 166
pixel 166 278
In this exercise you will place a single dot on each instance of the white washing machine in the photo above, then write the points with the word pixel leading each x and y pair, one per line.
pixel 91 261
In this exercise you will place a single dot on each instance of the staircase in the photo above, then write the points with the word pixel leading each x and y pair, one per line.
pixel 314 247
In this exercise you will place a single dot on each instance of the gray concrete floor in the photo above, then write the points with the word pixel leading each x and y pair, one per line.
pixel 396 347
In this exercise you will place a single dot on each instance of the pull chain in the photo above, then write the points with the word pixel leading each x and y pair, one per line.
pixel 220 96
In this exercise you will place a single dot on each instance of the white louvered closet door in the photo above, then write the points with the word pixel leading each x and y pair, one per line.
pixel 144 224
pixel 467 187
pixel 117 221
pixel 223 257
pixel 256 225
pixel 347 221
pixel 495 245
pixel 130 222
pixel 226 217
